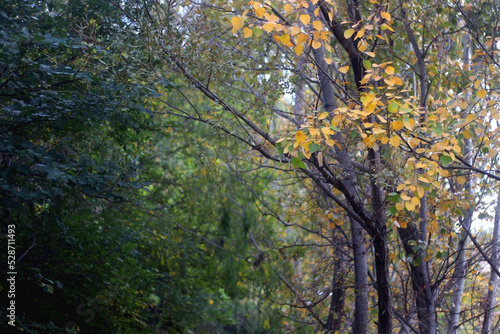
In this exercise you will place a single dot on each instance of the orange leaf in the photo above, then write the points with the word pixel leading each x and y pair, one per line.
pixel 302 38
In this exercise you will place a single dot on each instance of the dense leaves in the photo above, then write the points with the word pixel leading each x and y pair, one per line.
pixel 250 167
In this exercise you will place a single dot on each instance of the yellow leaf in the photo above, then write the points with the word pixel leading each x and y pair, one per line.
pixel 409 124
pixel 306 151
pixel 260 12
pixel 423 179
pixel 397 81
pixel 362 45
pixel 467 134
pixel 461 180
pixel 348 33
pixel 420 191
pixel 410 206
pixel 285 39
pixel 327 131
pixel 302 38
pixel 316 44
pixel 268 27
pixel 323 115
pixel 481 93
pixel 371 54
pixel 300 137
pixel 295 31
pixel 305 19
pixel 386 16
pixel 415 201
pixel 414 142
pixel 344 69
pixel 386 27
pixel 394 141
pixel 298 49
pixel 395 126
pixel 405 197
pixel 390 82
pixel 360 34
pixel 237 23
pixel 400 187
pixel 384 140
pixel 389 70
pixel 313 131
pixel 288 8
pixel 400 206
pixel 247 32
pixel 317 25
pixel 330 142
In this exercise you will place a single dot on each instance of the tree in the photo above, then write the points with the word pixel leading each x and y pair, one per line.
pixel 378 108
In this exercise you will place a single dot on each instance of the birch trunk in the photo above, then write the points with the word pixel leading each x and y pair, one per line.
pixel 493 283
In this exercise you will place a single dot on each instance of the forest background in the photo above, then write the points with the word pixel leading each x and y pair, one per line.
pixel 250 167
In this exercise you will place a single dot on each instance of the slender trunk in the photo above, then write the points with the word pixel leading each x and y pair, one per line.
pixel 298 105
pixel 360 323
pixel 380 246
pixel 334 321
pixel 422 291
pixel 361 316
pixel 461 262
pixel 493 283
pixel 382 275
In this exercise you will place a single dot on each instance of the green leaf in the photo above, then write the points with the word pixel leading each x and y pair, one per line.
pixel 393 107
pixel 438 128
pixel 395 198
pixel 445 160
pixel 367 64
pixel 313 147
pixel 297 163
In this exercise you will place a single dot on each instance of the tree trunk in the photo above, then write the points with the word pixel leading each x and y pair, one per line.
pixel 334 321
pixel 424 299
pixel 493 283
pixel 361 316
pixel 461 262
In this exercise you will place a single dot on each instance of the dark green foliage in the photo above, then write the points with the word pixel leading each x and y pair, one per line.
pixel 98 190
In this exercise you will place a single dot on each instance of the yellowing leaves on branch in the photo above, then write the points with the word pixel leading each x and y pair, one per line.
pixel 388 117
